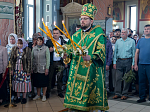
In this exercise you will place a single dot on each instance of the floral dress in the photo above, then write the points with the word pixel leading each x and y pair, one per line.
pixel 21 82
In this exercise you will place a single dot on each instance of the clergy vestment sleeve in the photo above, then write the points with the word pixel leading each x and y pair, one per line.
pixel 99 55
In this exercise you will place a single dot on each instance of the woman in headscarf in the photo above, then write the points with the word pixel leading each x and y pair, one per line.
pixel 40 67
pixel 136 37
pixel 3 66
pixel 21 68
pixel 12 41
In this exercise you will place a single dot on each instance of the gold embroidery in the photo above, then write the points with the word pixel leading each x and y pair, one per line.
pixel 76 34
pixel 86 108
pixel 94 40
pixel 83 64
pixel 100 46
pixel 88 33
pixel 76 92
pixel 90 10
pixel 92 35
pixel 75 79
pixel 94 97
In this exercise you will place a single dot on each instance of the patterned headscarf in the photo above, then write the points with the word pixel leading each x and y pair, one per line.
pixel 16 38
pixel 25 44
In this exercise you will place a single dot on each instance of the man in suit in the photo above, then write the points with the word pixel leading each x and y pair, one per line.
pixel 54 63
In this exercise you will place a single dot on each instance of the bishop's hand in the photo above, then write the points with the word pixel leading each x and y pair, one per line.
pixel 86 57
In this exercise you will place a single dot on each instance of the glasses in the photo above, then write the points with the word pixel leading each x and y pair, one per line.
pixel 83 19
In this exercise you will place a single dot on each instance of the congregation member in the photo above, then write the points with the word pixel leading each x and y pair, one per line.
pixel 34 41
pixel 86 85
pixel 117 33
pixel 40 67
pixel 78 27
pixel 12 41
pixel 123 62
pixel 112 70
pixel 143 68
pixel 136 38
pixel 113 42
pixel 109 55
pixel 21 68
pixel 31 45
pixel 54 63
pixel 3 66
pixel 111 34
pixel 130 33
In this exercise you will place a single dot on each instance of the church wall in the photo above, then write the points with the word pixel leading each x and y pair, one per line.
pixel 102 8
pixel 6 21
pixel 102 18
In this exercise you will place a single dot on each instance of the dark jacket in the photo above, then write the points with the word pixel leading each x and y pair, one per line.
pixel 50 44
pixel 26 58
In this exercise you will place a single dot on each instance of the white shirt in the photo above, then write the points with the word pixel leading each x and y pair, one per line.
pixel 54 55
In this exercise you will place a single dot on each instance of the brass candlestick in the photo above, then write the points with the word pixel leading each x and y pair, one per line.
pixel 88 63
pixel 10 105
pixel 67 60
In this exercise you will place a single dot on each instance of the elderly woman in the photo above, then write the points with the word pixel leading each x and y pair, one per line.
pixel 12 41
pixel 3 66
pixel 40 67
pixel 34 41
pixel 21 68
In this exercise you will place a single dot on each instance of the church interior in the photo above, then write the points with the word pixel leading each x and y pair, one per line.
pixel 24 17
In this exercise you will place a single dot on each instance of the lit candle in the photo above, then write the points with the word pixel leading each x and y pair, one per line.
pixel 59 29
pixel 68 34
pixel 43 22
pixel 50 37
pixel 41 28
pixel 65 28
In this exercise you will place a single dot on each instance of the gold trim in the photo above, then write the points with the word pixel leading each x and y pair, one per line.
pixel 88 33
pixel 75 79
pixel 101 68
pixel 86 108
pixel 94 40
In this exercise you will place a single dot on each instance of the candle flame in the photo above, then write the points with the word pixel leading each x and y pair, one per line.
pixel 54 23
pixel 62 21
pixel 42 19
pixel 38 25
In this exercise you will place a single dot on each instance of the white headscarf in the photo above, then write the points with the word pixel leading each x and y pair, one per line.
pixel 16 38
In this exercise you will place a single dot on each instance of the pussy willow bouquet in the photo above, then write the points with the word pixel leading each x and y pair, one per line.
pixel 80 52
pixel 62 50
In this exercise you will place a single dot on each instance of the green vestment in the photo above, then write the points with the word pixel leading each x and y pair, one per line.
pixel 86 85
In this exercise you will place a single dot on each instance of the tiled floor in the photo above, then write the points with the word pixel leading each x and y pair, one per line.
pixel 55 104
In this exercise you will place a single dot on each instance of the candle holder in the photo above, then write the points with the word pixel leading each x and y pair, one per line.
pixel 88 63
pixel 66 60
pixel 10 105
